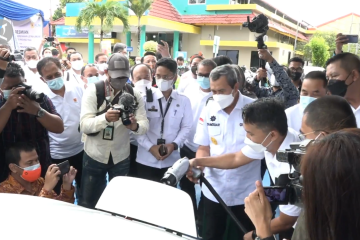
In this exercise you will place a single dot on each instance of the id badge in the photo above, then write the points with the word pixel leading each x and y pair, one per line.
pixel 160 141
pixel 108 133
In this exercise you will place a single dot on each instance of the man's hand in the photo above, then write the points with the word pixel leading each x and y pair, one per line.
pixel 261 73
pixel 29 106
pixel 248 236
pixel 163 50
pixel 133 125
pixel 340 41
pixel 56 41
pixel 154 150
pixel 112 115
pixel 4 54
pixel 43 41
pixel 13 99
pixel 51 177
pixel 69 178
pixel 265 55
pixel 257 207
pixel 189 173
pixel 170 149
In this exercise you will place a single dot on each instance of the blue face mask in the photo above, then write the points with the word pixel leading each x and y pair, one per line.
pixel 93 79
pixel 305 101
pixel 6 93
pixel 204 82
pixel 56 84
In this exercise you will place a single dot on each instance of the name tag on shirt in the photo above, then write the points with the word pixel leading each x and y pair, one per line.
pixel 152 109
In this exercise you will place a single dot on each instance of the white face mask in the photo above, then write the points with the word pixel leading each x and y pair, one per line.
pixel 305 101
pixel 224 100
pixel 137 61
pixel 164 85
pixel 77 65
pixel 103 77
pixel 257 147
pixel 47 55
pixel 102 67
pixel 142 85
pixel 32 64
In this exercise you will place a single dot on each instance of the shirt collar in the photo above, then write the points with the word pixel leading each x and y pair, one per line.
pixel 173 94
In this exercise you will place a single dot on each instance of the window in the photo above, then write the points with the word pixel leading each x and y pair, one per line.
pixel 192 2
pixel 232 54
pixel 255 60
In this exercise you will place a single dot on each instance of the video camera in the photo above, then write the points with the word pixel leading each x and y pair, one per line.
pixel 31 93
pixel 17 56
pixel 126 107
pixel 291 183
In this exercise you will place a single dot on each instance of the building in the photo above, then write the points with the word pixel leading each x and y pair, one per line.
pixel 190 26
pixel 348 24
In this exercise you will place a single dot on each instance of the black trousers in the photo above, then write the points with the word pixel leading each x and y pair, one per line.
pixel 185 184
pixel 215 221
pixel 133 165
pixel 75 161
pixel 150 173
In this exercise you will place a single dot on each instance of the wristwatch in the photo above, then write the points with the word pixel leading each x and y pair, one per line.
pixel 175 146
pixel 40 113
pixel 267 238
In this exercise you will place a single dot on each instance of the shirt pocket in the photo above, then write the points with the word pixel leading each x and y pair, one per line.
pixel 176 116
pixel 215 135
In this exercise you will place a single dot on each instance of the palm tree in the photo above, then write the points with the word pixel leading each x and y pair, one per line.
pixel 139 7
pixel 107 12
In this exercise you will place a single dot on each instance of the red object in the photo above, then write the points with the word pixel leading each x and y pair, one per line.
pixel 216 19
pixel 60 21
pixel 202 120
pixel 164 9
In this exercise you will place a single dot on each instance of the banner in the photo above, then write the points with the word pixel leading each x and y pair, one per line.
pixel 29 34
pixel 106 47
pixel 70 32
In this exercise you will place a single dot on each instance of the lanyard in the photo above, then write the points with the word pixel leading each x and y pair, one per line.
pixel 163 115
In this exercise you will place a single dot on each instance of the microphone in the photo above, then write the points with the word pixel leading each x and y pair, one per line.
pixel 126 106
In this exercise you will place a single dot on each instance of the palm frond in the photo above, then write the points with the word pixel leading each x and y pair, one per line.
pixel 139 7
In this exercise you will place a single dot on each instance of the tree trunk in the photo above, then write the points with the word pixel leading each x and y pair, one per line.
pixel 139 35
pixel 101 32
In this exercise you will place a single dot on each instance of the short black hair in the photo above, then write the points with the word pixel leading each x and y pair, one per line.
pixel 148 54
pixel 330 114
pixel 196 56
pixel 70 48
pixel 13 152
pixel 45 50
pixel 169 63
pixel 29 49
pixel 317 75
pixel 158 55
pixel 297 59
pixel 348 61
pixel 70 54
pixel 43 62
pixel 99 55
pixel 208 63
pixel 86 66
pixel 222 60
pixel 180 58
pixel 119 47
pixel 267 114
pixel 54 52
pixel 14 70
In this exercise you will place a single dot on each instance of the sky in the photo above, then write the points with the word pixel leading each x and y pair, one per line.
pixel 44 5
pixel 316 12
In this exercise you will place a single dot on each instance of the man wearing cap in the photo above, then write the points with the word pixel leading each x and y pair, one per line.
pixel 107 139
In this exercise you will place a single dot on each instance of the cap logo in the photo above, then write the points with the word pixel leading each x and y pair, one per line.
pixel 119 64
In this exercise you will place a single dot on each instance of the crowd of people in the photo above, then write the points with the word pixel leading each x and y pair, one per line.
pixel 55 108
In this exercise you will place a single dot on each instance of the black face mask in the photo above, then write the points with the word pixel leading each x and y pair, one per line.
pixel 295 76
pixel 194 69
pixel 338 87
pixel 118 83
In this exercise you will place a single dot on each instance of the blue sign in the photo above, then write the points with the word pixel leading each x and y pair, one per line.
pixel 130 49
pixel 63 31
pixel 181 54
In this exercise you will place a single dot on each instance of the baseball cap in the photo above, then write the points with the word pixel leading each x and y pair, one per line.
pixel 118 66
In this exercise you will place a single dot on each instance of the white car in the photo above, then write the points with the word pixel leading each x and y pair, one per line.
pixel 308 69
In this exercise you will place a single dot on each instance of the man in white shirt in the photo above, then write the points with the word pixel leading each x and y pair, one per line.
pixel 74 74
pixel 189 76
pixel 90 74
pixel 313 87
pixel 198 92
pixel 107 141
pixel 343 74
pixel 66 97
pixel 101 62
pixel 266 133
pixel 220 130
pixel 170 123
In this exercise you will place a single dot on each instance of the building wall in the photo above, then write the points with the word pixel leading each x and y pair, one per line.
pixel 343 25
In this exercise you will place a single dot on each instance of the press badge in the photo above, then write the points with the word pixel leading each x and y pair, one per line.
pixel 108 133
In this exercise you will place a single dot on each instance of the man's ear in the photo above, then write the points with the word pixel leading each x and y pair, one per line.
pixel 356 75
pixel 13 168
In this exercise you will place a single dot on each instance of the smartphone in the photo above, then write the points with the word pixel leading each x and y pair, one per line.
pixel 277 195
pixel 64 167
pixel 163 150
pixel 353 38
pixel 50 39
pixel 161 36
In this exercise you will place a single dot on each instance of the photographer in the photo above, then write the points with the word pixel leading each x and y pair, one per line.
pixel 24 177
pixel 107 141
pixel 55 44
pixel 23 119
pixel 285 91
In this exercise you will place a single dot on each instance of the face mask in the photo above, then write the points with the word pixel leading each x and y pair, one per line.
pixel 47 55
pixel 6 93
pixel 31 174
pixel 137 62
pixel 273 81
pixel 118 84
pixel 56 84
pixel 257 147
pixel 180 67
pixel 93 79
pixel 103 66
pixel 295 76
pixel 194 69
pixel 164 85
pixel 103 77
pixel 224 100
pixel 32 64
pixel 77 65
pixel 142 85
pixel 305 101
pixel 338 87
pixel 204 82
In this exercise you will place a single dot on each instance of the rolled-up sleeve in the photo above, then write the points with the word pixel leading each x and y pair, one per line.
pixel 186 123
pixel 140 115
pixel 89 122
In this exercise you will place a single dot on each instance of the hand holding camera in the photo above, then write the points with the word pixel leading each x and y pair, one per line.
pixel 13 100
pixel 265 55
pixel 52 177
pixel 4 56
pixel 112 115
pixel 133 125
pixel 27 105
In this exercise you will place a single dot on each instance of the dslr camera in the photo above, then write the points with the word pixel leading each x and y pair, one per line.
pixel 31 93
pixel 259 24
pixel 17 56
pixel 125 111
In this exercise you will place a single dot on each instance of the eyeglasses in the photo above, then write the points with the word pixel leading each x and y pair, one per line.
pixel 300 70
pixel 302 136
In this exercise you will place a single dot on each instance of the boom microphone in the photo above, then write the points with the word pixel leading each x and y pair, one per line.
pixel 126 106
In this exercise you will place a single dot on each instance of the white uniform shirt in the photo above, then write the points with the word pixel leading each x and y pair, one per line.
pixel 277 168
pixel 74 78
pixel 177 125
pixel 225 134
pixel 294 116
pixel 198 100
pixel 357 115
pixel 95 146
pixel 185 80
pixel 34 80
pixel 68 143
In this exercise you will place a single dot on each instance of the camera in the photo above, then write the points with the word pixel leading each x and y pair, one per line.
pixel 125 111
pixel 259 24
pixel 50 39
pixel 17 56
pixel 292 182
pixel 31 93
